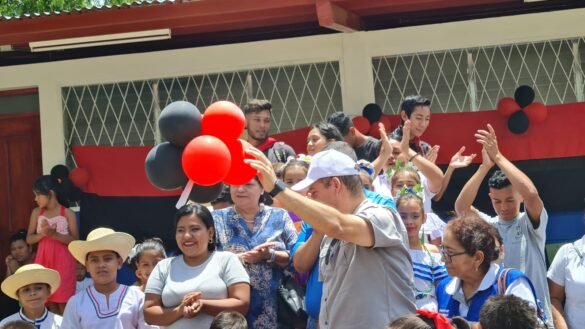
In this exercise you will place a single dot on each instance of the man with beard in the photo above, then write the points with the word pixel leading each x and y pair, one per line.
pixel 258 114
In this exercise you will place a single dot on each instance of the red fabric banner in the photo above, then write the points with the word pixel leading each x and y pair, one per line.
pixel 119 171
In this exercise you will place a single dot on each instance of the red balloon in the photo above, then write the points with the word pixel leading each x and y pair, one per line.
pixel 79 177
pixel 536 112
pixel 507 106
pixel 206 160
pixel 375 130
pixel 224 120
pixel 361 124
pixel 240 172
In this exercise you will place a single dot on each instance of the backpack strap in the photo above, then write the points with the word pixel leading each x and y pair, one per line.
pixel 503 285
pixel 502 281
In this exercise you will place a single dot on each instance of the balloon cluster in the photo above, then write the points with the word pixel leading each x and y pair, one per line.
pixel 522 110
pixel 367 123
pixel 204 149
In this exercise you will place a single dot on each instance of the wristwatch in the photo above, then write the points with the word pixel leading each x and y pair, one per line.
pixel 278 187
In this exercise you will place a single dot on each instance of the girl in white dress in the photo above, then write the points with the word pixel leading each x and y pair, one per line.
pixel 428 268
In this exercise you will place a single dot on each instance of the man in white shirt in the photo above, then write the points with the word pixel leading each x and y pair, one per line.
pixel 524 233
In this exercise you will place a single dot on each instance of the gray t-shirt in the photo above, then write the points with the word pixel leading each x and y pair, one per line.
pixel 524 250
pixel 172 279
pixel 368 150
pixel 367 287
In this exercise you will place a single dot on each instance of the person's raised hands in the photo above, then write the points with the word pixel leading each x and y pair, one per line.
pixel 489 141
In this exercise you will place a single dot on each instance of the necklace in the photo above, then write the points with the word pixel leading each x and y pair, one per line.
pixel 245 220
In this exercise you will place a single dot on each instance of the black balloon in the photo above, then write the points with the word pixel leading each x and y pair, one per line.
pixel 180 122
pixel 60 171
pixel 372 112
pixel 524 95
pixel 164 168
pixel 518 122
pixel 204 194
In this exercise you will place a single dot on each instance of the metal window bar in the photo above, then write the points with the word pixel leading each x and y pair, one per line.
pixel 125 113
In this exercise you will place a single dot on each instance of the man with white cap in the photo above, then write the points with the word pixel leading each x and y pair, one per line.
pixel 364 262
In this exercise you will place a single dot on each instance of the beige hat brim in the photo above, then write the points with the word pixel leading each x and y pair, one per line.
pixel 119 242
pixel 18 280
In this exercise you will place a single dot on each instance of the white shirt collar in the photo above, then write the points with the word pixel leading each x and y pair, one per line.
pixel 35 321
pixel 487 281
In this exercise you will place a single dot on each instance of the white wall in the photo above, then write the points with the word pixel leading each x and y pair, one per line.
pixel 353 51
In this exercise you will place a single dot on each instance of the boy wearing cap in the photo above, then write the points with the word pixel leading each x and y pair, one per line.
pixel 363 261
pixel 32 285
pixel 106 304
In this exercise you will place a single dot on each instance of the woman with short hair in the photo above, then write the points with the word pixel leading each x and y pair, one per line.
pixel 469 252
pixel 261 236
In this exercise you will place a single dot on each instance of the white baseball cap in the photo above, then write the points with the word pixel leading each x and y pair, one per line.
pixel 330 163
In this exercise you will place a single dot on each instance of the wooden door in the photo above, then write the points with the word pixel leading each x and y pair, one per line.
pixel 20 165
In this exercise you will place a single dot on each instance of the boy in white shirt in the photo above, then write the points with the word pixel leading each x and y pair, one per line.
pixel 524 233
pixel 32 285
pixel 106 304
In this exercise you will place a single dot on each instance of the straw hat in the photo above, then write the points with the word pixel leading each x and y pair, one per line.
pixel 102 239
pixel 29 274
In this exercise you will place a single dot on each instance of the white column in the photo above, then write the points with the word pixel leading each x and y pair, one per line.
pixel 356 74
pixel 52 132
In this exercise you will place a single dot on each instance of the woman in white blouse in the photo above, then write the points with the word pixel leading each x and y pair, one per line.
pixel 566 283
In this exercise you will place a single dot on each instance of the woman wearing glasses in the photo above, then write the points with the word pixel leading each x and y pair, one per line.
pixel 469 252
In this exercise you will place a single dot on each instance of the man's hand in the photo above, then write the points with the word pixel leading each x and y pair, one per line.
pixel 263 166
pixel 486 160
pixel 459 160
pixel 489 141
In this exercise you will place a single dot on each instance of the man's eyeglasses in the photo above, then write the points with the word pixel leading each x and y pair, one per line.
pixel 449 256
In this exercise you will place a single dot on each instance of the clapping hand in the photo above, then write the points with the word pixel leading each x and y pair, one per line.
pixel 433 153
pixel 259 253
pixel 46 229
pixel 459 160
pixel 489 141
pixel 191 304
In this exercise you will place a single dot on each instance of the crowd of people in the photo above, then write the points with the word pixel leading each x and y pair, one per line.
pixel 351 222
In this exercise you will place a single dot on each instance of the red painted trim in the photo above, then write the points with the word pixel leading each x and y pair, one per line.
pixel 217 15
pixel 19 92
pixel 333 16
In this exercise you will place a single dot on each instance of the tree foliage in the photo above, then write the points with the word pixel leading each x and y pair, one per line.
pixel 12 8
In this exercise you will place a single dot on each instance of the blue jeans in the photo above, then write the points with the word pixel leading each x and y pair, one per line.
pixel 312 322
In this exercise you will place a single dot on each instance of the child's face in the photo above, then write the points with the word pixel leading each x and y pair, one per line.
pixel 103 266
pixel 41 200
pixel 80 272
pixel 33 296
pixel 146 263
pixel 401 179
pixel 412 215
pixel 20 250
pixel 294 175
